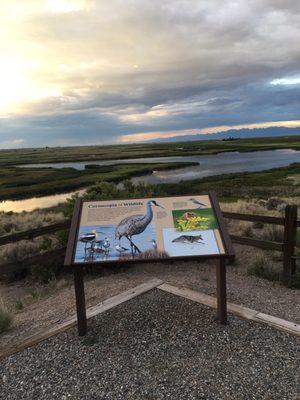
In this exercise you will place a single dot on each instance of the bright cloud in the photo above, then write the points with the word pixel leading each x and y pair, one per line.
pixel 101 70
pixel 293 80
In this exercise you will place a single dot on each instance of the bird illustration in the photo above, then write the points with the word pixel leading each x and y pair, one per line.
pixel 97 246
pixel 154 244
pixel 106 245
pixel 135 224
pixel 198 203
pixel 88 237
pixel 188 215
pixel 121 249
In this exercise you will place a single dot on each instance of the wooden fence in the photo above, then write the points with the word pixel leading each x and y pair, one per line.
pixel 287 247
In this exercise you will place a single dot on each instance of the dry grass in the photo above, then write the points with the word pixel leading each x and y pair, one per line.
pixel 245 207
pixel 13 222
pixel 263 267
pixel 148 254
pixel 18 251
pixel 272 206
pixel 6 317
pixel 245 229
pixel 273 233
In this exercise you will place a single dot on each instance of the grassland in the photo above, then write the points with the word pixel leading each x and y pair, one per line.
pixel 89 153
pixel 22 183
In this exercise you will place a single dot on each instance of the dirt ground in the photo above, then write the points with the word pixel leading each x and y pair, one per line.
pixel 45 306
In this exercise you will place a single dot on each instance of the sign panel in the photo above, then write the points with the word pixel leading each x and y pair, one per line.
pixel 147 229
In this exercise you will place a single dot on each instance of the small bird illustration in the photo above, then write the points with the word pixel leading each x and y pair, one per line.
pixel 198 203
pixel 88 237
pixel 97 246
pixel 121 249
pixel 106 245
pixel 188 239
pixel 188 215
pixel 154 244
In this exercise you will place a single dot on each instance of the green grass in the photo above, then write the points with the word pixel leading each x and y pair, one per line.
pixel 121 152
pixel 21 183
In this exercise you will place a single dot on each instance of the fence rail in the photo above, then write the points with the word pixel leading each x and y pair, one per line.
pixel 287 247
pixel 254 218
pixel 33 233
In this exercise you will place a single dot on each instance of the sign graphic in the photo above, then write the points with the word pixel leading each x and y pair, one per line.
pixel 147 229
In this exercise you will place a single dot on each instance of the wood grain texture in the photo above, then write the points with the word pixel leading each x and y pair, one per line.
pixel 261 244
pixel 33 233
pixel 254 218
pixel 289 239
pixel 73 232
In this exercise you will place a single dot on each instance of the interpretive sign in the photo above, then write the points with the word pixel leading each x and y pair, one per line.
pixel 122 230
pixel 144 230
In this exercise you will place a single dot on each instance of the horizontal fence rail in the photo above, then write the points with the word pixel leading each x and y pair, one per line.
pixel 289 222
pixel 254 218
pixel 33 233
pixel 262 244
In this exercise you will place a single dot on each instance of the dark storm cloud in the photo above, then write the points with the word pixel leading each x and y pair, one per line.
pixel 159 66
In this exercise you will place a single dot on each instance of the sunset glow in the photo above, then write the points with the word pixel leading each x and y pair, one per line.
pixel 87 71
pixel 140 137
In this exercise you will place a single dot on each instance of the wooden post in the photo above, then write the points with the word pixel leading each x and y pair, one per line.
pixel 80 300
pixel 221 291
pixel 289 243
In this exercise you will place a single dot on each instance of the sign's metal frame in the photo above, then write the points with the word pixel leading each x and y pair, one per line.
pixel 78 268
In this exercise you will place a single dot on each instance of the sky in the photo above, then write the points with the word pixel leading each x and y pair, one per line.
pixel 79 72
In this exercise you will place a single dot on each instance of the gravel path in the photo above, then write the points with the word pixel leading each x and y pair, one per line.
pixel 157 346
pixel 249 291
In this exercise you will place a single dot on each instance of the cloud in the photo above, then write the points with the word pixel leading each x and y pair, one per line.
pixel 78 71
pixel 289 80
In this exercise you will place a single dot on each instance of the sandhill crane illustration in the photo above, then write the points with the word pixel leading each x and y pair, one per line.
pixel 135 225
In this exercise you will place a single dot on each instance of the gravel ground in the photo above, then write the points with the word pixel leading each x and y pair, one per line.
pixel 157 346
pixel 249 291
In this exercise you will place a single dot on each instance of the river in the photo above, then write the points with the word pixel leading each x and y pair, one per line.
pixel 222 163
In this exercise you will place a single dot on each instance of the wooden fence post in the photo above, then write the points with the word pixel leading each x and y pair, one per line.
pixel 289 243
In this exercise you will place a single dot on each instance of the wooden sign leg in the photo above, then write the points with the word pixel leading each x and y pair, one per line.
pixel 221 291
pixel 80 300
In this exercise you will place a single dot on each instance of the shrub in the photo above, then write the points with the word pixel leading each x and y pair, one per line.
pixel 19 305
pixel 41 273
pixel 36 293
pixel 273 233
pixel 262 268
pixel 258 225
pixel 16 222
pixel 6 318
pixel 245 229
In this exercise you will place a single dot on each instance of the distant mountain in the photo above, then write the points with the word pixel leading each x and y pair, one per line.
pixel 234 134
